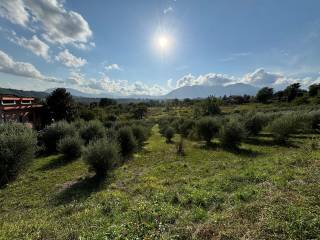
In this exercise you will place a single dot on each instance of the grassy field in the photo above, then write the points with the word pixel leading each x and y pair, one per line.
pixel 264 191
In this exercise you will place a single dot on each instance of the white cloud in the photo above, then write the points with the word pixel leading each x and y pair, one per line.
pixel 119 87
pixel 167 10
pixel 14 11
pixel 35 45
pixel 76 78
pixel 70 60
pixel 210 79
pixel 260 77
pixel 58 24
pixel 113 66
pixel 22 69
pixel 169 83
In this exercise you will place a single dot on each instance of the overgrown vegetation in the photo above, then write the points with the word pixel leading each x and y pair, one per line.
pixel 17 147
pixel 70 147
pixel 257 177
pixel 102 156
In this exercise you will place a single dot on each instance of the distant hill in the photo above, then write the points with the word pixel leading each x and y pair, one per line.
pixel 22 93
pixel 78 93
pixel 196 91
pixel 201 91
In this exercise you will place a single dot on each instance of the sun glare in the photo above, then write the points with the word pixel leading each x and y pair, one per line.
pixel 163 43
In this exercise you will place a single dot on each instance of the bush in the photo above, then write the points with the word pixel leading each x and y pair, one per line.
pixel 101 156
pixel 52 134
pixel 126 141
pixel 282 127
pixel 314 118
pixel 207 128
pixel 254 123
pixel 186 127
pixel 139 134
pixel 168 134
pixel 70 147
pixel 17 147
pixel 93 130
pixel 231 134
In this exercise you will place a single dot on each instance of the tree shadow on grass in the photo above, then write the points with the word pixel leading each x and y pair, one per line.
pixel 79 190
pixel 260 141
pixel 269 142
pixel 55 163
pixel 210 146
pixel 243 152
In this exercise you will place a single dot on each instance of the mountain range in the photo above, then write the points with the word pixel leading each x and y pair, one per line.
pixel 195 91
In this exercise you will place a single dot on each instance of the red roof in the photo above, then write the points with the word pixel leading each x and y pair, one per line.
pixel 19 107
pixel 16 98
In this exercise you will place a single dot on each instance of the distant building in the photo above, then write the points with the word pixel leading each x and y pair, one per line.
pixel 23 110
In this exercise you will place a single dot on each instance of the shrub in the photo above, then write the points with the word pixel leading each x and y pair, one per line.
pixel 186 127
pixel 314 118
pixel 282 127
pixel 207 128
pixel 169 133
pixel 101 156
pixel 17 147
pixel 254 123
pixel 93 130
pixel 52 134
pixel 70 147
pixel 126 141
pixel 231 134
pixel 139 134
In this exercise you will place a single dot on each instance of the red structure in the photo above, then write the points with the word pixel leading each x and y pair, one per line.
pixel 23 110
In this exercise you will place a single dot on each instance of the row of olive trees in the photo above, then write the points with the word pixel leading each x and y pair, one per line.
pixel 232 130
pixel 100 146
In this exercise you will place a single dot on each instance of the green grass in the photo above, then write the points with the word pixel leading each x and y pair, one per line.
pixel 263 191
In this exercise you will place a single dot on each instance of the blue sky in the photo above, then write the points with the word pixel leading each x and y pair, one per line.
pixel 113 46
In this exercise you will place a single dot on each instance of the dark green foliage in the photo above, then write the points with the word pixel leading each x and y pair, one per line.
pixel 111 134
pixel 314 119
pixel 140 111
pixel 169 134
pixel 231 134
pixel 186 127
pixel 105 102
pixel 293 91
pixel 92 130
pixel 86 114
pixel 264 95
pixel 61 105
pixel 314 90
pixel 139 134
pixel 126 141
pixel 17 147
pixel 254 122
pixel 51 135
pixel 282 127
pixel 101 156
pixel 70 147
pixel 208 107
pixel 207 128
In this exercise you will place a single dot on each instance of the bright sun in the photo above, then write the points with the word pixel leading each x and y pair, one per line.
pixel 163 43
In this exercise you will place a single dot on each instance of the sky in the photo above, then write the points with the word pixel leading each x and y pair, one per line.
pixel 150 47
